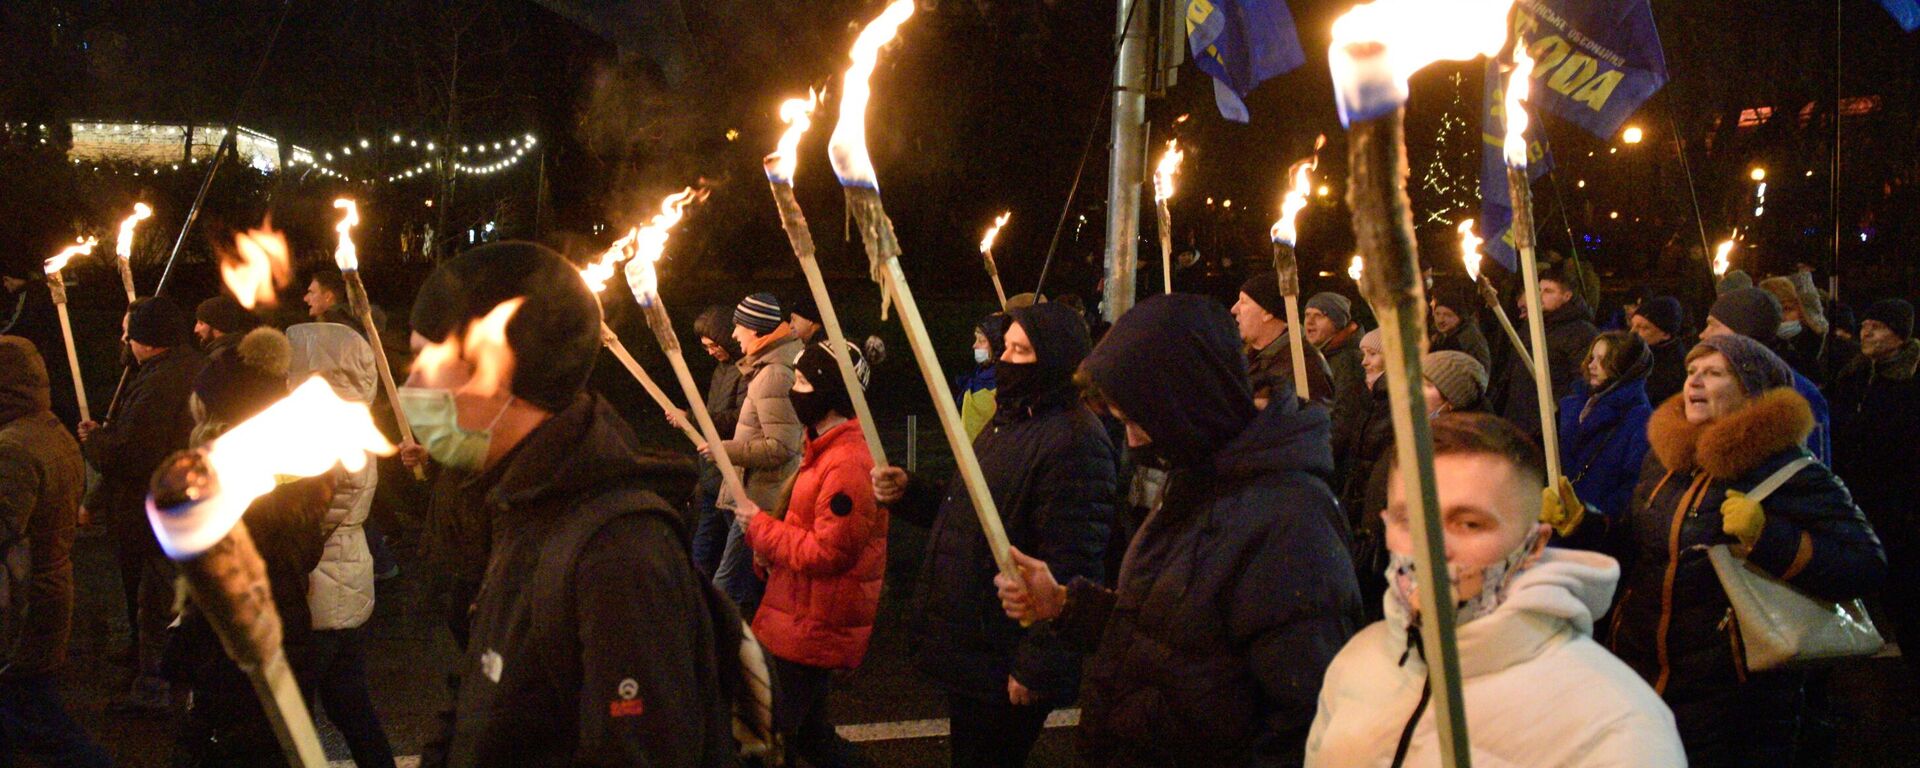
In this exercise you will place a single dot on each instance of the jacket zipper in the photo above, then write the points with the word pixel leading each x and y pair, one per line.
pixel 1680 512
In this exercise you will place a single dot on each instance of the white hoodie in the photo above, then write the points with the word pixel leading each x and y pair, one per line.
pixel 1539 691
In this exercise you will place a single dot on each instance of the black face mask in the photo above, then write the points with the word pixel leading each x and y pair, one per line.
pixel 1016 385
pixel 811 407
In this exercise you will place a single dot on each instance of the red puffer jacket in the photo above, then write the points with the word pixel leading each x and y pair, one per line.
pixel 825 559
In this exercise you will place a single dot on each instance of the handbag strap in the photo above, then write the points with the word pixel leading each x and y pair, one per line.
pixel 1778 478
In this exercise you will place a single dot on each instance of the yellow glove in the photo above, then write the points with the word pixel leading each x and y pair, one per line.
pixel 1560 508
pixel 1742 518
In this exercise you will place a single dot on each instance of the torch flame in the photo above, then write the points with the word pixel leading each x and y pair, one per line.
pixel 993 232
pixel 1378 45
pixel 59 260
pixel 259 267
pixel 346 256
pixel 1519 84
pixel 1293 202
pixel 1722 258
pixel 848 148
pixel 1356 268
pixel 486 347
pixel 124 246
pixel 650 241
pixel 597 272
pixel 1470 249
pixel 306 433
pixel 798 115
pixel 1164 173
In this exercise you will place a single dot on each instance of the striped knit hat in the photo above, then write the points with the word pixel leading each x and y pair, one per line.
pixel 759 313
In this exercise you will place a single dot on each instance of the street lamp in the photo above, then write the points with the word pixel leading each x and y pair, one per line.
pixel 1632 135
pixel 1758 174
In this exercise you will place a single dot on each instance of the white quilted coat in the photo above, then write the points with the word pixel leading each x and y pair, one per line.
pixel 340 591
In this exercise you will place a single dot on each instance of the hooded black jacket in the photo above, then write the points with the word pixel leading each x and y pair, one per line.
pixel 1237 592
pixel 1570 333
pixel 1051 469
pixel 617 668
pixel 151 422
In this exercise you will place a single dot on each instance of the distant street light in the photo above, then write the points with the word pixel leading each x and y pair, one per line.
pixel 1758 174
pixel 1632 135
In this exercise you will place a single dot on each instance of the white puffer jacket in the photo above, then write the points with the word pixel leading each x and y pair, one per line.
pixel 1538 690
pixel 340 591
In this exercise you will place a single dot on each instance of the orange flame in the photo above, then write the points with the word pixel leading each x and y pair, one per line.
pixel 597 272
pixel 847 150
pixel 346 256
pixel 1356 268
pixel 993 232
pixel 1293 202
pixel 1169 168
pixel 1378 45
pixel 1470 249
pixel 124 246
pixel 1519 85
pixel 798 115
pixel 306 433
pixel 650 241
pixel 59 260
pixel 1722 258
pixel 474 361
pixel 259 268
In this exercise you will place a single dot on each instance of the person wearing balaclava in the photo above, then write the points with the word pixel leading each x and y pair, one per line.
pixel 1260 314
pixel 824 557
pixel 975 388
pixel 1051 470
pixel 150 422
pixel 1237 590
pixel 1538 690
pixel 593 640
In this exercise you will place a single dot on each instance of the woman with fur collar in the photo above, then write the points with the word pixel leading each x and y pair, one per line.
pixel 1737 421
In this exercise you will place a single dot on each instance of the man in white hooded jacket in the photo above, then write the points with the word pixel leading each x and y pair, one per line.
pixel 1538 690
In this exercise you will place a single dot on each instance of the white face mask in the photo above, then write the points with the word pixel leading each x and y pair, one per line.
pixel 1789 329
pixel 1492 581
pixel 979 356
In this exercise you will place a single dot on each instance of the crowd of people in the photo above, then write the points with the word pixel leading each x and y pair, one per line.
pixel 1215 559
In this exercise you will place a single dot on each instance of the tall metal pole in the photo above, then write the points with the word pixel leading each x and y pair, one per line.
pixel 1833 182
pixel 1127 159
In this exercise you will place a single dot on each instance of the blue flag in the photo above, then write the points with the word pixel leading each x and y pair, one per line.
pixel 1596 61
pixel 1905 12
pixel 1241 43
pixel 1496 204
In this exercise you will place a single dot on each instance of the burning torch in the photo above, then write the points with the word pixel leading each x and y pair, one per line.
pixel 1287 267
pixel 123 247
pixel 1722 258
pixel 854 167
pixel 197 500
pixel 986 255
pixel 1470 256
pixel 597 273
pixel 1521 193
pixel 1376 47
pixel 347 257
pixel 57 287
pixel 781 166
pixel 1163 175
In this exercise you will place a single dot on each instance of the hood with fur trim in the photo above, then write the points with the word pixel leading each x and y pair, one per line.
pixel 1729 447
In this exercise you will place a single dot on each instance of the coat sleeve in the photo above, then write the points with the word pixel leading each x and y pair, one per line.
pixel 1292 617
pixel 844 520
pixel 1816 539
pixel 1069 532
pixel 920 504
pixel 134 443
pixel 19 494
pixel 640 697
pixel 781 435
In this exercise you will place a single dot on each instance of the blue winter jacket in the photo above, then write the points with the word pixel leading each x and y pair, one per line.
pixel 1602 453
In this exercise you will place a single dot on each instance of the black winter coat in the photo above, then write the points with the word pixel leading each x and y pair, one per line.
pixel 150 423
pixel 1669 372
pixel 1350 398
pixel 1368 443
pixel 1876 413
pixel 617 664
pixel 1466 337
pixel 1570 333
pixel 1672 623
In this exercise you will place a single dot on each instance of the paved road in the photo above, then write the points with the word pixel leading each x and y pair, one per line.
pixel 410 655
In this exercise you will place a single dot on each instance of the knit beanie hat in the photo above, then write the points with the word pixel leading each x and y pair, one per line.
pixel 158 322
pixel 1733 281
pixel 1897 314
pixel 1750 312
pixel 823 372
pixel 1335 306
pixel 759 313
pixel 1756 366
pixel 554 336
pixel 1783 292
pixel 225 315
pixel 1665 313
pixel 1460 378
pixel 805 308
pixel 1375 341
pixel 1264 289
pixel 242 380
pixel 1458 294
pixel 1840 317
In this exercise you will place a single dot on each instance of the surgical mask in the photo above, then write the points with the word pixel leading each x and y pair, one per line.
pixel 1789 329
pixel 1492 581
pixel 435 419
pixel 979 356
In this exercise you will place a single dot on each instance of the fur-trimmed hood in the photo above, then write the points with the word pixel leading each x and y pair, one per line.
pixel 1729 447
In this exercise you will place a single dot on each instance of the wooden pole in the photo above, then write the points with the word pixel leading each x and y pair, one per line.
pixel 993 271
pixel 662 326
pixel 363 308
pixel 1492 298
pixel 1383 229
pixel 619 350
pixel 57 287
pixel 1287 267
pixel 1166 243
pixel 1522 195
pixel 801 238
pixel 883 251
